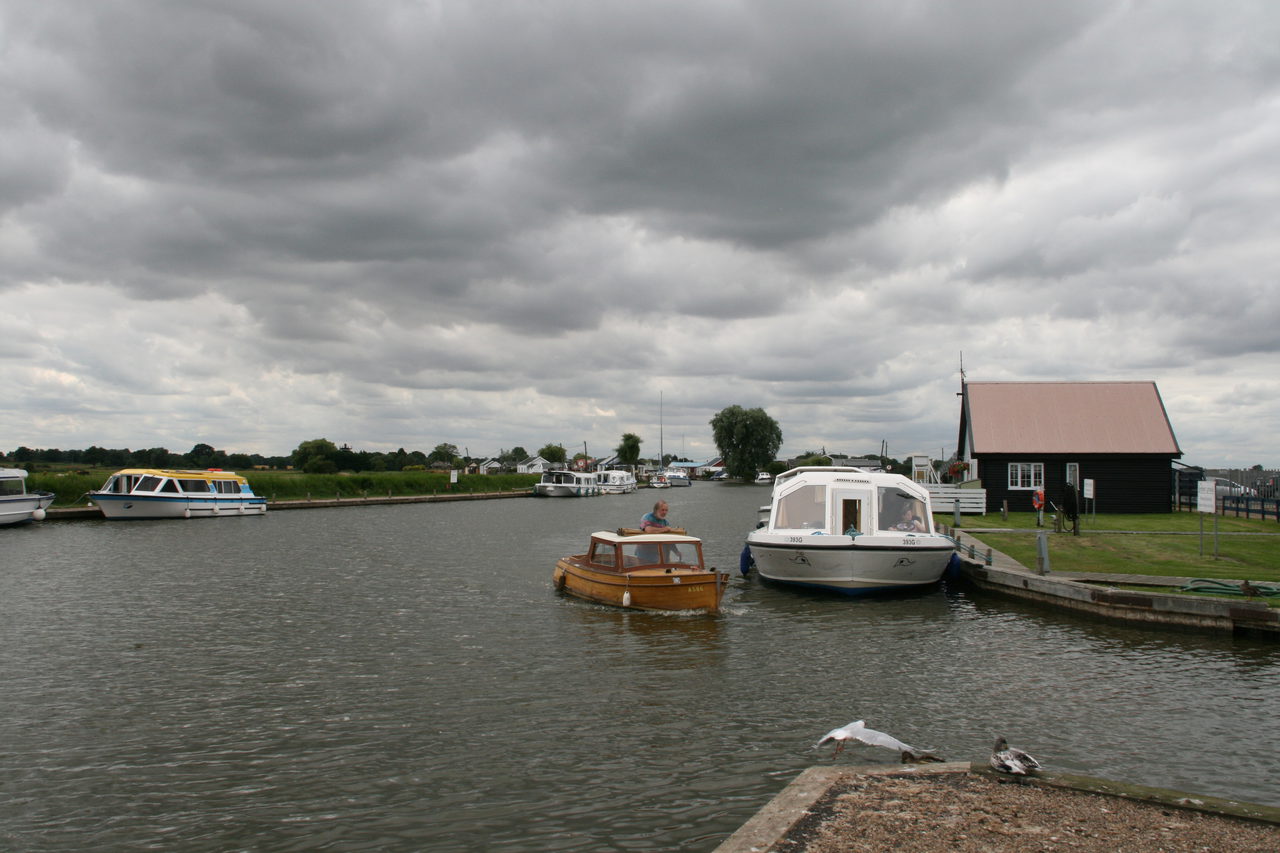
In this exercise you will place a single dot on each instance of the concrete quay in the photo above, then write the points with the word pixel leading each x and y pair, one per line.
pixel 936 806
pixel 1106 596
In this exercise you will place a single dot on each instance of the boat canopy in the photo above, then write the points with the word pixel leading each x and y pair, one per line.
pixel 619 553
pixel 848 501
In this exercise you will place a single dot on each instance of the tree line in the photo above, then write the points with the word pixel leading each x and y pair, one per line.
pixel 747 440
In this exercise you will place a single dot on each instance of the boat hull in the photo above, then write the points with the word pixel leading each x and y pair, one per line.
pixel 562 490
pixel 657 590
pixel 115 506
pixel 851 566
pixel 28 506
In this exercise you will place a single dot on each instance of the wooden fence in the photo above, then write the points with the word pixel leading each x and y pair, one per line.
pixel 944 497
pixel 1236 506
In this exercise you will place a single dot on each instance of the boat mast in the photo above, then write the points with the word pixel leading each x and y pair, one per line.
pixel 662 461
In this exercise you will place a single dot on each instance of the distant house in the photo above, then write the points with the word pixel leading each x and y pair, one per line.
pixel 1022 436
pixel 710 467
pixel 489 466
pixel 533 465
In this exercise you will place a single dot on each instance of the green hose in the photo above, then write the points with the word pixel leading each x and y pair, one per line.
pixel 1266 590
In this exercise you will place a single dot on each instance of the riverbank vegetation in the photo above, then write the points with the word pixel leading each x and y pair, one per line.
pixel 71 486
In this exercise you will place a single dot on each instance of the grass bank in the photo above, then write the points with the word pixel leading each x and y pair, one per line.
pixel 1167 545
pixel 71 486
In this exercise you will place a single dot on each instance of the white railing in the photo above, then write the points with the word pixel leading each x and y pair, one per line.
pixel 944 497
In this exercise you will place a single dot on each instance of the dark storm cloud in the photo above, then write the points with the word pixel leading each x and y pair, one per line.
pixel 545 214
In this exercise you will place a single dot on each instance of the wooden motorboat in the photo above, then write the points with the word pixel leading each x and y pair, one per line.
pixel 649 571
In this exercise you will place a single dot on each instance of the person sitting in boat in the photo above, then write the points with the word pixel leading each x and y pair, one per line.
pixel 653 522
pixel 910 520
pixel 656 521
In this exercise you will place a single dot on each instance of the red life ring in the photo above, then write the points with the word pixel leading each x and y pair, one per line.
pixel 1037 499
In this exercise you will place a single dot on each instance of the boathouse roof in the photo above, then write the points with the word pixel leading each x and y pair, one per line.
pixel 1065 417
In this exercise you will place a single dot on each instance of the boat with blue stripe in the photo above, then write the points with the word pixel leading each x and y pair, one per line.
pixel 159 493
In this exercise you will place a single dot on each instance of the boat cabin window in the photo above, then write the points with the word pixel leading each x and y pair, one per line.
pixel 640 554
pixel 10 487
pixel 148 484
pixel 803 508
pixel 226 487
pixel 120 484
pixel 169 486
pixel 605 556
pixel 194 486
pixel 901 512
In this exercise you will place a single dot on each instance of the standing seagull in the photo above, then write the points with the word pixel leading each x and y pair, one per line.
pixel 858 731
pixel 1006 759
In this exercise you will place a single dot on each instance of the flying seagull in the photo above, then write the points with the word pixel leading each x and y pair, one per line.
pixel 857 730
pixel 1006 759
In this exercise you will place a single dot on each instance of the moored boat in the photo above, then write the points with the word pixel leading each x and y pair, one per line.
pixel 158 493
pixel 17 505
pixel 566 484
pixel 677 477
pixel 764 478
pixel 615 482
pixel 850 531
pixel 651 571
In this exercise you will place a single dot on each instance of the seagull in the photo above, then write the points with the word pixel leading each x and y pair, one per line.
pixel 1006 759
pixel 857 730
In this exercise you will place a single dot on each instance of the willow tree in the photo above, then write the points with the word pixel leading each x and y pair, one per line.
pixel 748 440
pixel 629 450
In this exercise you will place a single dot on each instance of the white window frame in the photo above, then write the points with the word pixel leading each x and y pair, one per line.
pixel 1026 476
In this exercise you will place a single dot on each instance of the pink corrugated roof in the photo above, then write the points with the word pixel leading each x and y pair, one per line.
pixel 1068 417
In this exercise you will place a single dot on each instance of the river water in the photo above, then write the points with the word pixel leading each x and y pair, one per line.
pixel 405 678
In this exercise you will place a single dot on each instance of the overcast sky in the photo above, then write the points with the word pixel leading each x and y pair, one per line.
pixel 396 223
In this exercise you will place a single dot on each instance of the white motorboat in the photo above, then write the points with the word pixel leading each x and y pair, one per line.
pixel 156 493
pixel 764 478
pixel 566 484
pixel 17 505
pixel 677 477
pixel 615 482
pixel 849 530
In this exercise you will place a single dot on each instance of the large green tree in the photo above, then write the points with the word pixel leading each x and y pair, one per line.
pixel 316 453
pixel 553 453
pixel 748 439
pixel 443 453
pixel 629 450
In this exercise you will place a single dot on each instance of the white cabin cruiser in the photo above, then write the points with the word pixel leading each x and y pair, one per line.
pixel 17 505
pixel 615 482
pixel 677 477
pixel 566 484
pixel 134 493
pixel 850 531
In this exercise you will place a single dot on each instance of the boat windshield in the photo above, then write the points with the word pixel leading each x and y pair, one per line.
pixel 639 554
pixel 803 508
pixel 11 486
pixel 901 512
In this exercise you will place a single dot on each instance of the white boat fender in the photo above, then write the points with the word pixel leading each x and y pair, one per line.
pixel 37 515
pixel 626 598
pixel 186 513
